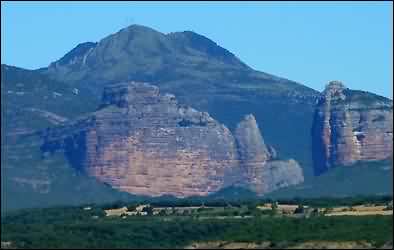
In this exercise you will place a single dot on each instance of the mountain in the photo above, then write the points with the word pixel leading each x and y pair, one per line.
pixel 352 145
pixel 195 69
pixel 143 54
pixel 175 60
pixel 202 75
pixel 351 126
pixel 144 142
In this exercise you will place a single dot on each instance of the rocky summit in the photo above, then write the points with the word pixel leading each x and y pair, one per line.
pixel 351 126
pixel 144 142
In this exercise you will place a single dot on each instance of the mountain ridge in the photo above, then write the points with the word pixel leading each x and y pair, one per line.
pixel 173 46
pixel 200 74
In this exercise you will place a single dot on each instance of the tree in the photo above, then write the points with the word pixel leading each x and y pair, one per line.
pixel 299 210
pixel 131 208
pixel 148 210
pixel 200 209
pixel 315 212
pixel 251 206
pixel 162 212
pixel 274 208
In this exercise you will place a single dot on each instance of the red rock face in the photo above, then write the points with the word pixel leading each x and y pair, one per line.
pixel 143 142
pixel 145 163
pixel 351 126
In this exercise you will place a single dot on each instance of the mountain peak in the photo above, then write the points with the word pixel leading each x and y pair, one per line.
pixel 137 28
pixel 141 53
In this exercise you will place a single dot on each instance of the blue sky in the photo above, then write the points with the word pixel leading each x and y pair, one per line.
pixel 308 42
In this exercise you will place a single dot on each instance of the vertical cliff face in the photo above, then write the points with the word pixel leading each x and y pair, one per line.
pixel 250 142
pixel 144 142
pixel 261 172
pixel 351 126
pixel 253 153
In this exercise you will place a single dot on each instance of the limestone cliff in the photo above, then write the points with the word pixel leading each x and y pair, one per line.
pixel 351 126
pixel 144 142
pixel 261 173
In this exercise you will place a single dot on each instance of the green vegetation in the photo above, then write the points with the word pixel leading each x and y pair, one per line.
pixel 75 227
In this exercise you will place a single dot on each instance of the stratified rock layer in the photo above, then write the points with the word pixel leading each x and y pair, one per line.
pixel 351 126
pixel 142 142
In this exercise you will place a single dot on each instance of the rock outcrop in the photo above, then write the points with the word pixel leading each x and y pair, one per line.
pixel 351 126
pixel 261 173
pixel 143 142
